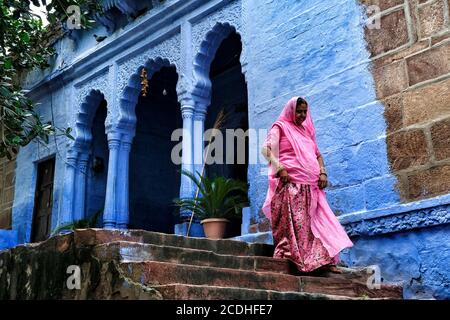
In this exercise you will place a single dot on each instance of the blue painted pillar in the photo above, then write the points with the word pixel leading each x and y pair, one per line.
pixel 187 154
pixel 199 144
pixel 187 186
pixel 80 187
pixel 123 212
pixel 109 214
pixel 67 215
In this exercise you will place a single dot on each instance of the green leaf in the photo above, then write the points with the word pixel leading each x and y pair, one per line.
pixel 8 64
pixel 5 92
pixel 25 37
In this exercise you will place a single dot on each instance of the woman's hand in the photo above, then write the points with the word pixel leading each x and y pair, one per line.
pixel 323 181
pixel 284 177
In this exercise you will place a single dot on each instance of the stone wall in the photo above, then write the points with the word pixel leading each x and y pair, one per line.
pixel 7 180
pixel 411 66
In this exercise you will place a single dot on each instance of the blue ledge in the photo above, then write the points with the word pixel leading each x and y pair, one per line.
pixel 402 217
pixel 260 237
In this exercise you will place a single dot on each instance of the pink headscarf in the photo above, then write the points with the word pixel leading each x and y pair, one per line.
pixel 303 141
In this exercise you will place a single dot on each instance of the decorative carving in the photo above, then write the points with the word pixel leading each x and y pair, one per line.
pixel 400 222
pixel 168 48
pixel 207 36
pixel 230 14
pixel 100 83
pixel 113 144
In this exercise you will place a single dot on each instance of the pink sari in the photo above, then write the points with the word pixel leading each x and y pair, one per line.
pixel 301 201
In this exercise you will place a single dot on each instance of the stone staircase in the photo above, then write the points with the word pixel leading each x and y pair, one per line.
pixel 139 264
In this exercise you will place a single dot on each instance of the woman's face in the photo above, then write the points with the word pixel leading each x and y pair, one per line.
pixel 300 113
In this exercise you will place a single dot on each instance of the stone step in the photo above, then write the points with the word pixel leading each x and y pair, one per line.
pixel 226 246
pixel 125 251
pixel 204 292
pixel 163 273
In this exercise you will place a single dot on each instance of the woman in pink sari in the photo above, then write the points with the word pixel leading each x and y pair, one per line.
pixel 305 230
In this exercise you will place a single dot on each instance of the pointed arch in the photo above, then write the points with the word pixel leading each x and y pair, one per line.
pixel 85 118
pixel 130 95
pixel 203 59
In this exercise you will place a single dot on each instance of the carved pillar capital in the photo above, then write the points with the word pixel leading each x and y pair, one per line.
pixel 187 111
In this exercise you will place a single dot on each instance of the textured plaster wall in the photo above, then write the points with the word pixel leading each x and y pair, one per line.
pixel 55 107
pixel 417 259
pixel 317 50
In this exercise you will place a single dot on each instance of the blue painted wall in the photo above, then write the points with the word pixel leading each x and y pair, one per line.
pixel 418 259
pixel 8 239
pixel 317 50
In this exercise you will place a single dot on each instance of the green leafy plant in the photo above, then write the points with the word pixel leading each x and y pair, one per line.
pixel 26 44
pixel 79 224
pixel 218 197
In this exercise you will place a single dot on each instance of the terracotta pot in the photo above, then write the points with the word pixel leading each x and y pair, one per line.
pixel 215 228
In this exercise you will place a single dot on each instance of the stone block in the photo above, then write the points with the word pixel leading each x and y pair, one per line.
pixel 153 272
pixel 426 103
pixel 337 164
pixel 381 192
pixel 429 64
pixel 5 219
pixel 439 38
pixel 9 179
pixel 342 92
pixel 346 200
pixel 390 79
pixel 369 161
pixel 10 166
pixel 382 4
pixel 430 182
pixel 8 195
pixel 431 18
pixel 392 34
pixel 351 127
pixel 355 164
pixel 398 55
pixel 407 149
pixel 440 136
pixel 393 113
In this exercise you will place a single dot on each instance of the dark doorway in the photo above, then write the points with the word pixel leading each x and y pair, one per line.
pixel 97 170
pixel 229 92
pixel 43 202
pixel 154 178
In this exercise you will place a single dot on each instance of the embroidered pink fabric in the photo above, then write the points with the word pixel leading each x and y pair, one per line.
pixel 296 148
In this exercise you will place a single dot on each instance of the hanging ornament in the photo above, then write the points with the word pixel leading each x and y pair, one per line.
pixel 144 82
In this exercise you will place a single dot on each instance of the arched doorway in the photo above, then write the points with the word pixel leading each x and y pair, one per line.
pixel 229 93
pixel 154 180
pixel 97 169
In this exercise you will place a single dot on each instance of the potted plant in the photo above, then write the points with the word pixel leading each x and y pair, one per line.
pixel 218 199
